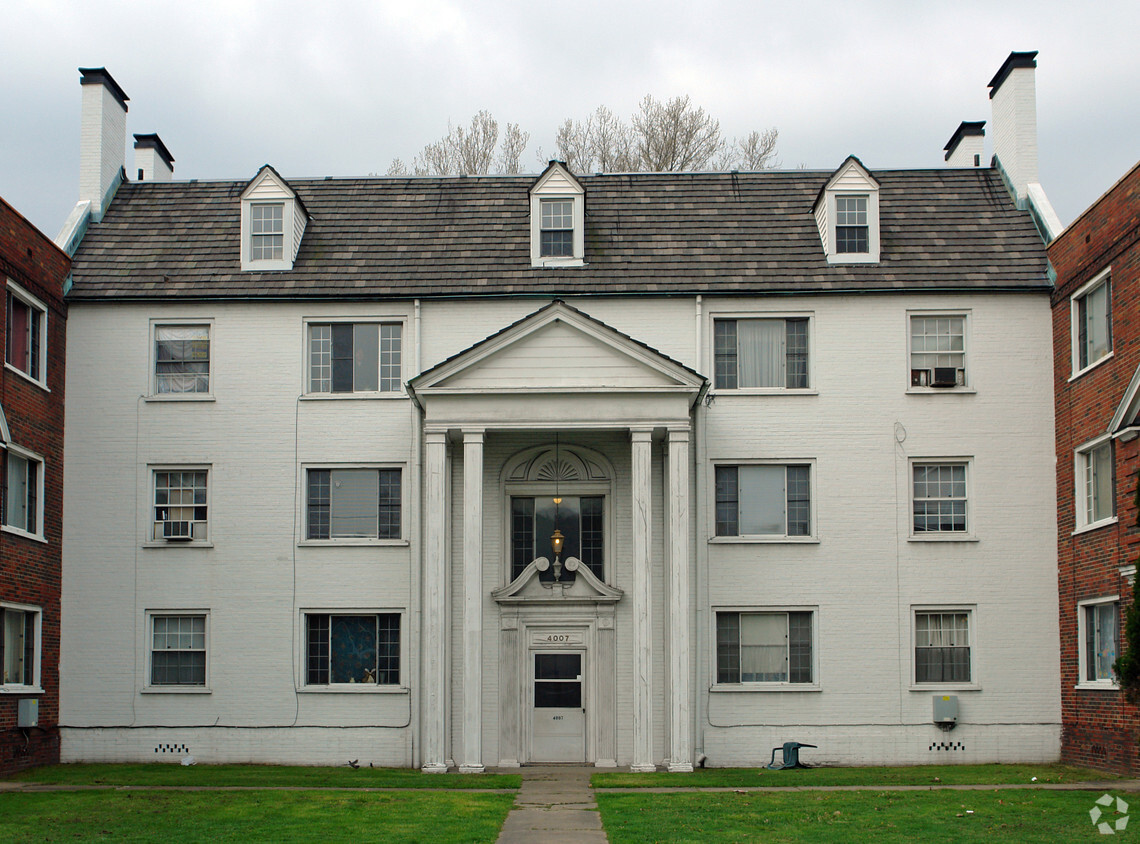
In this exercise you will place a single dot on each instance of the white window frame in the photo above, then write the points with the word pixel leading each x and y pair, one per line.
pixel 41 310
pixel 1082 631
pixel 303 514
pixel 1101 278
pixel 31 456
pixel 37 683
pixel 308 323
pixel 969 534
pixel 303 685
pixel 762 538
pixel 972 630
pixel 149 687
pixel 150 539
pixel 967 382
pixel 738 316
pixel 871 256
pixel 1081 456
pixel 192 322
pixel 568 489
pixel 766 686
pixel 558 183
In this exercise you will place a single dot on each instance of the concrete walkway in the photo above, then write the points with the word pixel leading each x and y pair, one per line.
pixel 554 805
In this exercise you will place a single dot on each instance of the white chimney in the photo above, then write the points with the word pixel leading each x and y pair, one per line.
pixel 153 161
pixel 1013 100
pixel 966 146
pixel 102 138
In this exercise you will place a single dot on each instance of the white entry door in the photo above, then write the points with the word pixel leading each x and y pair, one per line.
pixel 558 732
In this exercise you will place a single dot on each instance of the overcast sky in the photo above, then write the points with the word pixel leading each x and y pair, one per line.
pixel 340 88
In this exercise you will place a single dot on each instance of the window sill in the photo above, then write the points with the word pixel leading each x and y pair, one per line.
pixel 15 531
pixel 555 263
pixel 938 688
pixel 352 543
pixel 765 391
pixel 748 688
pixel 353 689
pixel 176 690
pixel 1097 686
pixel 1078 373
pixel 942 537
pixel 179 397
pixel 1095 525
pixel 25 691
pixel 371 396
pixel 41 384
pixel 940 391
pixel 153 544
pixel 763 540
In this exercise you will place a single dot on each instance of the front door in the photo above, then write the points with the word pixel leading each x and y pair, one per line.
pixel 558 732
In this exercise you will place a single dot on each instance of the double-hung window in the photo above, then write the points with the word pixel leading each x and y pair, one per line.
pixel 764 500
pixel 764 647
pixel 942 647
pixel 21 491
pixel 556 228
pixel 267 231
pixel 361 357
pixel 25 346
pixel 1092 322
pixel 352 648
pixel 181 505
pixel 938 351
pixel 851 227
pixel 769 353
pixel 580 519
pixel 1098 624
pixel 181 359
pixel 939 501
pixel 1096 491
pixel 353 504
pixel 19 650
pixel 178 650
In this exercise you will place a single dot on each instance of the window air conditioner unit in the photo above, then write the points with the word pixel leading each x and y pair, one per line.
pixel 177 531
pixel 945 376
pixel 920 377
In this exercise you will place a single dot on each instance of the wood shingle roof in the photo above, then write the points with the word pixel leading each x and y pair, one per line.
pixel 661 233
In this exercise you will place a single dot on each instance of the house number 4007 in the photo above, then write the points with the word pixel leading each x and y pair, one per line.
pixel 558 637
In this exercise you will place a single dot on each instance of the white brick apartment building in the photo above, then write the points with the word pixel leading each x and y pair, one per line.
pixel 641 470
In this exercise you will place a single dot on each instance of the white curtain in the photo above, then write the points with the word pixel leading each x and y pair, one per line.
pixel 763 647
pixel 353 497
pixel 760 344
pixel 762 500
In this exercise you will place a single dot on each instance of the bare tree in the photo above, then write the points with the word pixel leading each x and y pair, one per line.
pixel 511 149
pixel 675 135
pixel 469 150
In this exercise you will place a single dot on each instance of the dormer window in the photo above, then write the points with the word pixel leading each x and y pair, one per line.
pixel 847 213
pixel 557 238
pixel 267 231
pixel 273 221
pixel 851 224
pixel 557 219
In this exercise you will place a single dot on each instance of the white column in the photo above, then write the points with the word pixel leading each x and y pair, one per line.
pixel 642 603
pixel 433 718
pixel 680 717
pixel 472 759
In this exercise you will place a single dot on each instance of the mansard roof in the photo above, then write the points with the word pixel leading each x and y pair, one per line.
pixel 658 233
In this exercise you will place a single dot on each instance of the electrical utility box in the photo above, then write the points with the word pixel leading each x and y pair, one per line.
pixel 28 712
pixel 946 709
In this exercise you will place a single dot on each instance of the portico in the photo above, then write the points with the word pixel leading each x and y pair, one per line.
pixel 557 420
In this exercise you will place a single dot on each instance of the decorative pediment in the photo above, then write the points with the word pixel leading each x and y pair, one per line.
pixel 558 348
pixel 558 464
pixel 530 588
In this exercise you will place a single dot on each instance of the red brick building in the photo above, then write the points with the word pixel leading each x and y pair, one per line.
pixel 32 271
pixel 1096 325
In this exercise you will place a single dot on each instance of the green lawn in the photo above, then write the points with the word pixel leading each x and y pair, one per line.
pixel 198 816
pixel 850 817
pixel 911 775
pixel 260 776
